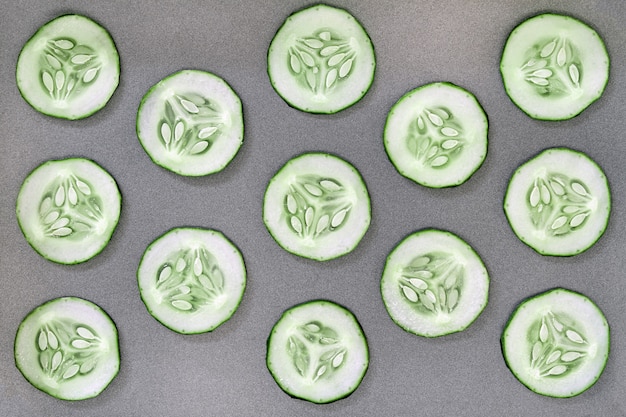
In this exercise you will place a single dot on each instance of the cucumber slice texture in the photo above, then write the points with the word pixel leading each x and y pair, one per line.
pixel 69 68
pixel 434 284
pixel 192 280
pixel 321 60
pixel 191 123
pixel 317 206
pixel 436 135
pixel 317 352
pixel 554 66
pixel 559 202
pixel 68 348
pixel 556 343
pixel 68 209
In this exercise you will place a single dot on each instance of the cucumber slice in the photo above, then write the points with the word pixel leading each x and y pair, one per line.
pixel 317 206
pixel 321 60
pixel 559 202
pixel 191 279
pixel 317 352
pixel 69 68
pixel 556 343
pixel 553 66
pixel 191 123
pixel 68 209
pixel 434 284
pixel 68 348
pixel 436 135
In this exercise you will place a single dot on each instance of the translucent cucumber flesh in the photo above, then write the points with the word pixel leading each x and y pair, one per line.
pixel 436 135
pixel 191 123
pixel 317 352
pixel 554 66
pixel 434 284
pixel 192 280
pixel 321 60
pixel 69 68
pixel 68 348
pixel 556 343
pixel 317 206
pixel 558 202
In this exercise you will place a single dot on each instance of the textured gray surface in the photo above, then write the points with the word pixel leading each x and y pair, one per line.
pixel 223 373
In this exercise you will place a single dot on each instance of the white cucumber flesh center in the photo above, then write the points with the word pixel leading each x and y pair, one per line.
pixel 316 351
pixel 558 204
pixel 71 208
pixel 432 284
pixel 68 348
pixel 316 206
pixel 320 61
pixel 189 279
pixel 190 123
pixel 553 69
pixel 557 348
pixel 68 68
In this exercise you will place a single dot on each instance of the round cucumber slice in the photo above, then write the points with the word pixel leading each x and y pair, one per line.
pixel 191 123
pixel 559 202
pixel 556 343
pixel 68 348
pixel 436 135
pixel 69 68
pixel 553 66
pixel 434 284
pixel 317 352
pixel 68 209
pixel 317 206
pixel 191 280
pixel 321 60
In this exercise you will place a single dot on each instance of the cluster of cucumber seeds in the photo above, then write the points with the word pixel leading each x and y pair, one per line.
pixel 321 69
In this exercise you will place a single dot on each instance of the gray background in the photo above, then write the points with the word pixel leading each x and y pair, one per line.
pixel 223 373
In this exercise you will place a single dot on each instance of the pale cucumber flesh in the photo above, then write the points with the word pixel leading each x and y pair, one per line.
pixel 434 284
pixel 69 68
pixel 436 135
pixel 317 352
pixel 558 202
pixel 554 66
pixel 556 343
pixel 68 209
pixel 192 280
pixel 317 206
pixel 321 60
pixel 68 348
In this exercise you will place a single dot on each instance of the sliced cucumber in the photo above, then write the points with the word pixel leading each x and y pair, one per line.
pixel 436 135
pixel 556 343
pixel 317 206
pixel 68 209
pixel 317 352
pixel 69 68
pixel 68 348
pixel 321 60
pixel 191 280
pixel 553 66
pixel 434 284
pixel 559 202
pixel 191 123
